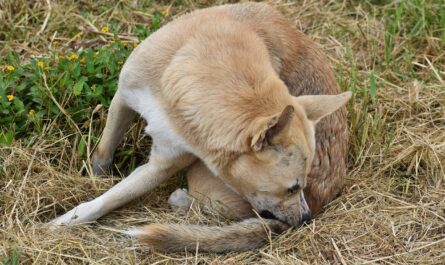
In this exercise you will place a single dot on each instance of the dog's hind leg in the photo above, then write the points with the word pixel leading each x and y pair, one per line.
pixel 145 178
pixel 211 193
pixel 119 119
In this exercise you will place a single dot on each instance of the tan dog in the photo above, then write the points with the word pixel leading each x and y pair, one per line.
pixel 216 86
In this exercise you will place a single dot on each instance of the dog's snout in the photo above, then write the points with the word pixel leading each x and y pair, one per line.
pixel 267 215
pixel 307 218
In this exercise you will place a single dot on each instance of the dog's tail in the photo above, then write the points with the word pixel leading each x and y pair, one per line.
pixel 248 234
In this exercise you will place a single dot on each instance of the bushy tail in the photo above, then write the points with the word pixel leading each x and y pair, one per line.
pixel 248 234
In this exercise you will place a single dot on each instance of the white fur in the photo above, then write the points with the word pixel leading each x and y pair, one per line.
pixel 312 128
pixel 168 146
pixel 159 126
pixel 140 181
pixel 134 232
pixel 85 212
pixel 180 199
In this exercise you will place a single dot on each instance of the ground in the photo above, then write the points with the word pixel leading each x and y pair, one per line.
pixel 60 61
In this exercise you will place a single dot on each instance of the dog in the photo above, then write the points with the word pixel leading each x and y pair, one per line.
pixel 235 93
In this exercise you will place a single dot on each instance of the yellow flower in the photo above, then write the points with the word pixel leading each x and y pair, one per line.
pixel 10 68
pixel 10 97
pixel 165 12
pixel 73 56
pixel 55 43
pixel 46 68
pixel 40 64
pixel 83 61
pixel 31 112
pixel 104 29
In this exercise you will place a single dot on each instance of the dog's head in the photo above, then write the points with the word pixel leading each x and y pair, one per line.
pixel 273 173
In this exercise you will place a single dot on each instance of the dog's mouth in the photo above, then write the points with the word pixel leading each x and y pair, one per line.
pixel 268 215
pixel 306 219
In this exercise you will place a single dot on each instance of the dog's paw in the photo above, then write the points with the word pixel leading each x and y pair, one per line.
pixel 67 219
pixel 179 199
pixel 101 167
pixel 84 213
pixel 57 223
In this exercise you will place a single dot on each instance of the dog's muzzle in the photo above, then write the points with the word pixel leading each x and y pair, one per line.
pixel 290 212
pixel 294 221
pixel 307 218
pixel 268 215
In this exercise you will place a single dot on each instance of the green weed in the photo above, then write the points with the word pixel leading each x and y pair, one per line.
pixel 59 86
pixel 13 259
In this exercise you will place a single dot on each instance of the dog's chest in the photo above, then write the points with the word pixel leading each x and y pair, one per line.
pixel 159 127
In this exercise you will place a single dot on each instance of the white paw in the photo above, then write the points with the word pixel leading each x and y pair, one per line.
pixel 84 213
pixel 180 199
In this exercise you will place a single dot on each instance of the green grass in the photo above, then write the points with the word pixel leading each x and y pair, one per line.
pixel 72 83
pixel 61 93
pixel 13 259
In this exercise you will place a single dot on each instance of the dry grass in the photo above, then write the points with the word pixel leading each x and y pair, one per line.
pixel 392 209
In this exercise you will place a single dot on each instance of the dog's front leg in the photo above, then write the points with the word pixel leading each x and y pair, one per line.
pixel 140 181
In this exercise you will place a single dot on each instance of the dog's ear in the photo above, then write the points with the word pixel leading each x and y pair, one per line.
pixel 269 127
pixel 319 106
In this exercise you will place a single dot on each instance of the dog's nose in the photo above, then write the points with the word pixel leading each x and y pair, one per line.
pixel 307 218
pixel 267 215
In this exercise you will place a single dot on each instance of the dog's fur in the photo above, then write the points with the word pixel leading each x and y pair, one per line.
pixel 218 86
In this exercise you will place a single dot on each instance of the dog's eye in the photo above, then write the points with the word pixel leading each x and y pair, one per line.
pixel 295 188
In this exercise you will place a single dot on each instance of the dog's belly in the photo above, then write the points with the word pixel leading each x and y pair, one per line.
pixel 159 127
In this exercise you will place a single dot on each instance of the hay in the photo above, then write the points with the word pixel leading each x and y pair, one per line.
pixel 392 209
